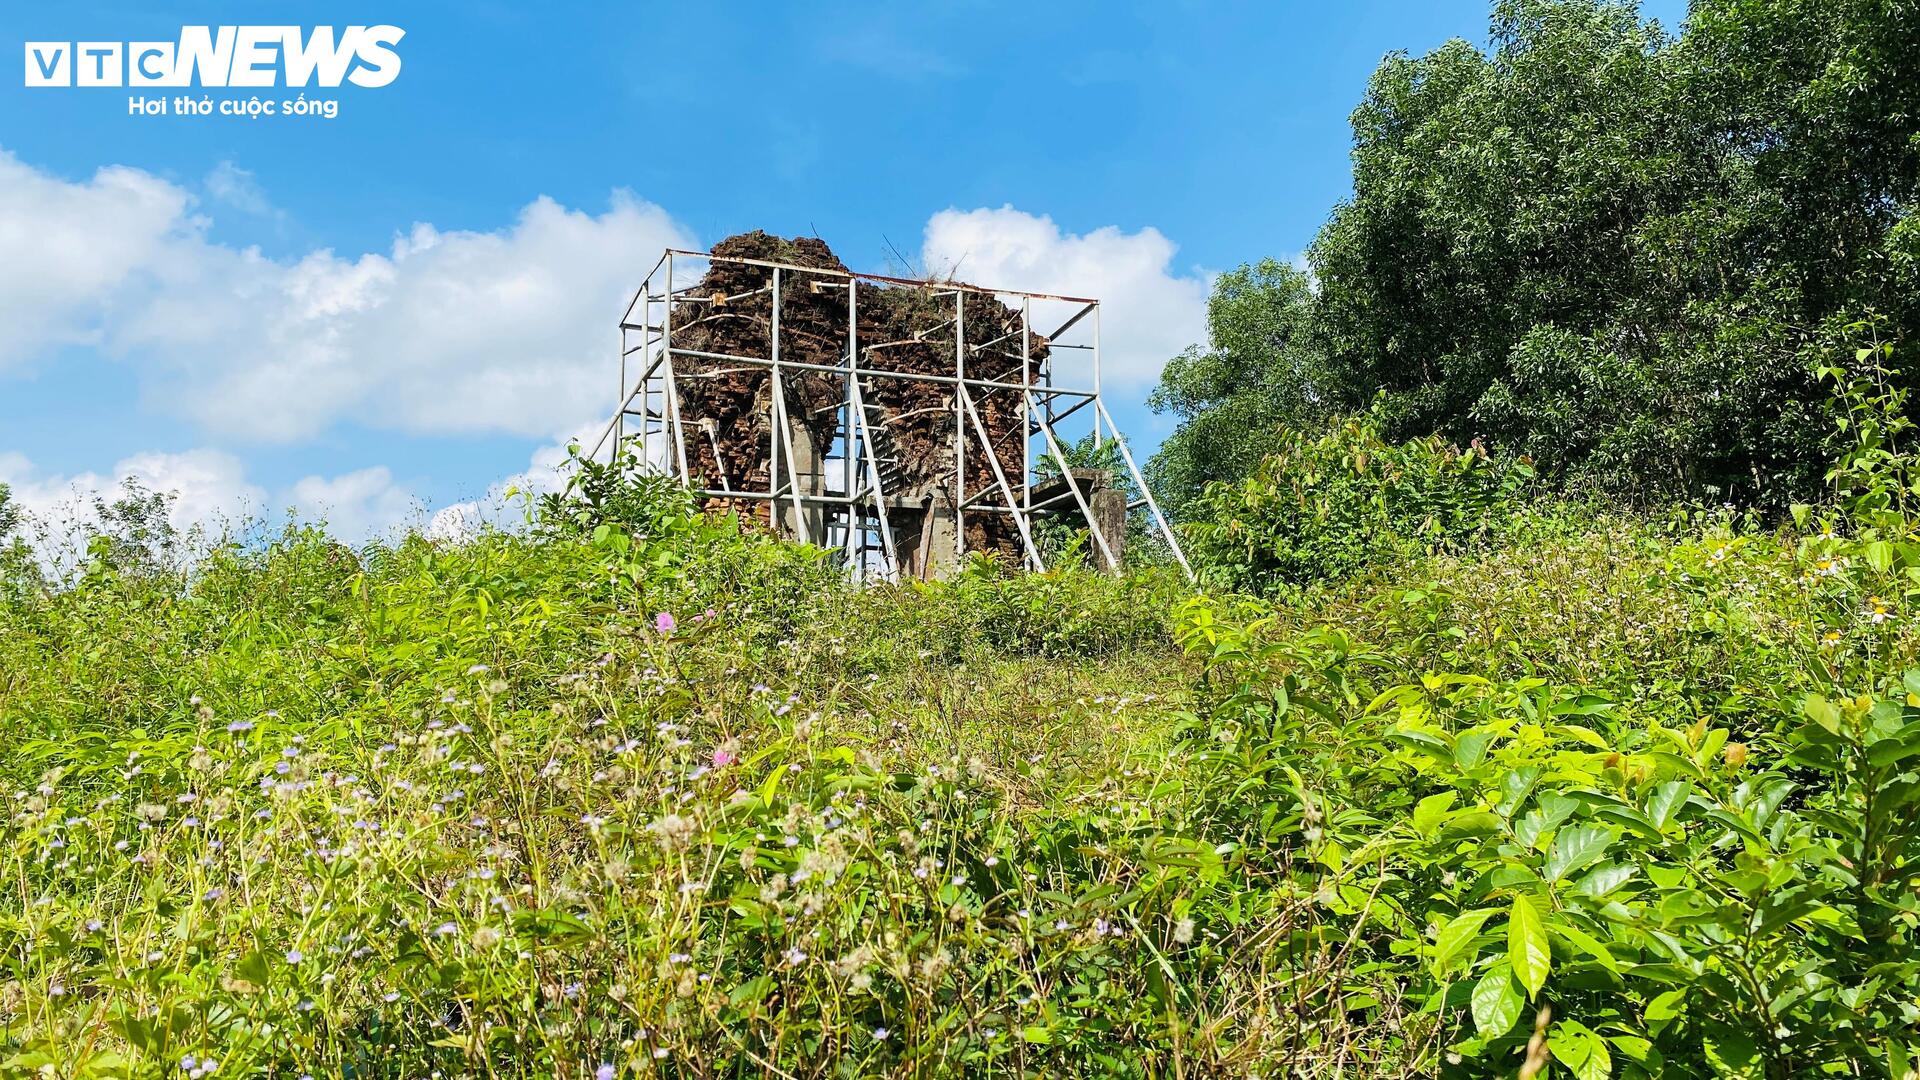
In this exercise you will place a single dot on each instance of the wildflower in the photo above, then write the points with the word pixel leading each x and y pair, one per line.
pixel 486 937
pixel 478 669
pixel 1878 610
pixel 725 754
pixel 935 964
pixel 294 956
pixel 604 1072
pixel 1830 639
pixel 880 1034
pixel 1183 932
pixel 664 623
pixel 673 832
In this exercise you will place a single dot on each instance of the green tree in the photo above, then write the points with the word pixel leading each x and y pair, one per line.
pixel 1258 371
pixel 1596 244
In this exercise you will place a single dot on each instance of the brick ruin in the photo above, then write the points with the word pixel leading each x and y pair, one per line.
pixel 727 406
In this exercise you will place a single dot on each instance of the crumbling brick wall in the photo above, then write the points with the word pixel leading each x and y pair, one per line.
pixel 726 405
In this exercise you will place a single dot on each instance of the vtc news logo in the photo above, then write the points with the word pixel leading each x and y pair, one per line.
pixel 234 56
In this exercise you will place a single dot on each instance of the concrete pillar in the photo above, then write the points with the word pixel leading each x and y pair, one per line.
pixel 1109 508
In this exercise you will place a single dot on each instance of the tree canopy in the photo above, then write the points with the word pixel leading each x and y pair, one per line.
pixel 1596 243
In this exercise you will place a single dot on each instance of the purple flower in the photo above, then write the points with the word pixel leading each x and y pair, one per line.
pixel 664 623
pixel 604 1072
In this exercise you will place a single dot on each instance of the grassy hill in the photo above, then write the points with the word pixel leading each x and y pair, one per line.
pixel 638 792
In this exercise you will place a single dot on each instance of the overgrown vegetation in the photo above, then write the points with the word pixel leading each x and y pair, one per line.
pixel 643 792
pixel 1326 505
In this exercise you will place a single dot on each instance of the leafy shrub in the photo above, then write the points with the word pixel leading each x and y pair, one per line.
pixel 1323 506
pixel 992 608
pixel 1681 846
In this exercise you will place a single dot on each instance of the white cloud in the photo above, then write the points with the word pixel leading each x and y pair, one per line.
pixel 545 473
pixel 1149 312
pixel 507 331
pixel 210 487
pixel 212 491
pixel 230 184
pixel 69 246
pixel 355 506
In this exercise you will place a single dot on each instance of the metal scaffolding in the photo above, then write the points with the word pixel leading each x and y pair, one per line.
pixel 836 478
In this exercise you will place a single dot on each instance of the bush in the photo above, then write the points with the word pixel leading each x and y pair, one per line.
pixel 1325 506
pixel 992 608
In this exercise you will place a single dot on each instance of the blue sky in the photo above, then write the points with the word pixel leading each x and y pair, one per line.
pixel 399 307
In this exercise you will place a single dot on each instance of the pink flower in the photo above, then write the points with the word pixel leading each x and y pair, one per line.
pixel 664 623
pixel 722 758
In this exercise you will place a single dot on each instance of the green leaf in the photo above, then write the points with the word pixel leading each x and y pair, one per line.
pixel 1664 1009
pixel 1879 555
pixel 1587 943
pixel 752 991
pixel 1732 1055
pixel 1470 747
pixel 1666 800
pixel 1822 712
pixel 1420 740
pixel 1603 879
pixel 253 968
pixel 1455 936
pixel 1631 818
pixel 1889 751
pixel 1497 1002
pixel 1527 948
pixel 1431 811
pixel 1580 1050
pixel 1575 848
